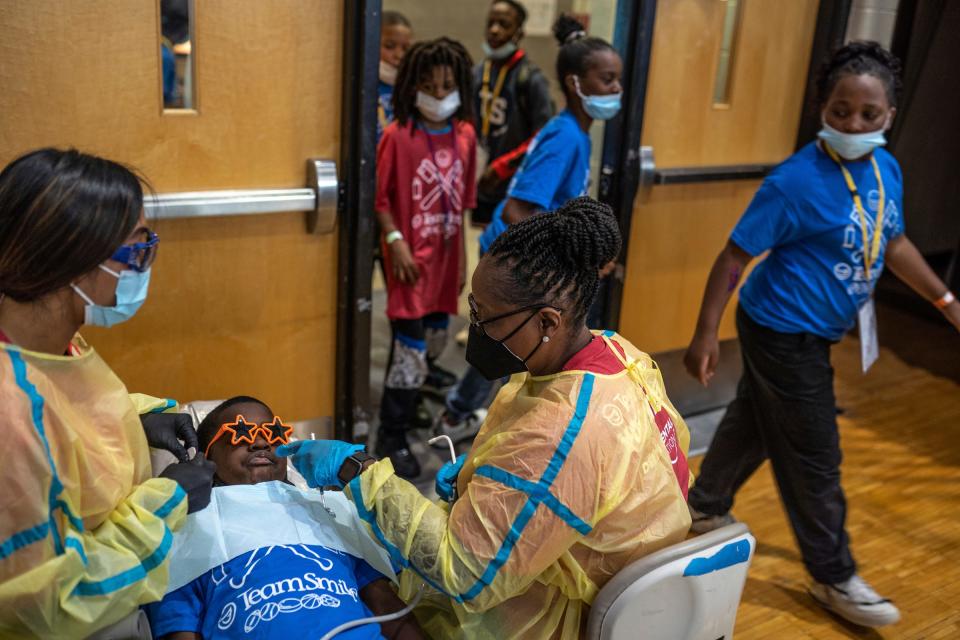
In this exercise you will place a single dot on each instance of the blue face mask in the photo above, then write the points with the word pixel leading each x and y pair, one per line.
pixel 851 146
pixel 502 52
pixel 599 107
pixel 131 294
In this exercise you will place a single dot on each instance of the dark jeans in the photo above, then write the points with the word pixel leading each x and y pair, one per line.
pixel 469 394
pixel 415 343
pixel 784 410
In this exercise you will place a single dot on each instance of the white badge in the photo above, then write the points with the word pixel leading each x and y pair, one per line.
pixel 869 344
pixel 483 156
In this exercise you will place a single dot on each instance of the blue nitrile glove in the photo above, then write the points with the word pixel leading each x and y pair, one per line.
pixel 446 482
pixel 319 461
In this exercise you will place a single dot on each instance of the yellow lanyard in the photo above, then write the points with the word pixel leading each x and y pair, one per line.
pixel 382 116
pixel 498 87
pixel 871 249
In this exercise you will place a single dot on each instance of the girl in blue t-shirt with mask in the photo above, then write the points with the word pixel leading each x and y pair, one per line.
pixel 555 169
pixel 830 216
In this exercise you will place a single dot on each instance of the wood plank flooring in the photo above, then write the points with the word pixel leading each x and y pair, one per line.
pixel 901 474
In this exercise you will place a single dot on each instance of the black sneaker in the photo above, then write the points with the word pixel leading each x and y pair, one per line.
pixel 404 462
pixel 438 378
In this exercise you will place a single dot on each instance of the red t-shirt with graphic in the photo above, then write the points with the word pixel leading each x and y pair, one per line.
pixel 426 184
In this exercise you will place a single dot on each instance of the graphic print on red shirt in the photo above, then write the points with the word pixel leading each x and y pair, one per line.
pixel 425 185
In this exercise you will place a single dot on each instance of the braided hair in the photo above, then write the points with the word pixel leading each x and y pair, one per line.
pixel 858 58
pixel 557 257
pixel 576 47
pixel 418 64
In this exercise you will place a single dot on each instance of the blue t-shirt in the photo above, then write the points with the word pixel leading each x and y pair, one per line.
pixel 273 592
pixel 556 168
pixel 384 107
pixel 813 279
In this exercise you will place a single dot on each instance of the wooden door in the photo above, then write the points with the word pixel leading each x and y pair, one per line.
pixel 678 230
pixel 237 305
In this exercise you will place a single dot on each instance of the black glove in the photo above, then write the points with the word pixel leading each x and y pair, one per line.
pixel 195 478
pixel 165 430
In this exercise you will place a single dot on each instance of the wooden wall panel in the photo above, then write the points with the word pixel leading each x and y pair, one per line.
pixel 240 304
pixel 768 78
pixel 684 228
pixel 677 231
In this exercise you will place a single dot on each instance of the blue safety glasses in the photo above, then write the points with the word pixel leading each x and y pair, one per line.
pixel 139 255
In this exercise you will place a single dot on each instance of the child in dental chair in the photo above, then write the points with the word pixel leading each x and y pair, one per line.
pixel 282 591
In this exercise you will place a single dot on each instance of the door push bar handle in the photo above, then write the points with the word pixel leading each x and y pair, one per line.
pixel 648 167
pixel 320 199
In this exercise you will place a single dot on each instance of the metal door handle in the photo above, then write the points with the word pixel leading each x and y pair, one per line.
pixel 320 199
pixel 648 168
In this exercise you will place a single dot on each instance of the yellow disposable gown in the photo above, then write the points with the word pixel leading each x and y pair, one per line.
pixel 568 481
pixel 85 530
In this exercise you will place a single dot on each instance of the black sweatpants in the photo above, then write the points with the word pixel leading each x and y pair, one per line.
pixel 785 410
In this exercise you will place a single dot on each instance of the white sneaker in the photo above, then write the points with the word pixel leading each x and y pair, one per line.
pixel 459 431
pixel 704 522
pixel 856 601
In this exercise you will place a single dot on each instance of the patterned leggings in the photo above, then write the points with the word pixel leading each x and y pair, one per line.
pixel 415 343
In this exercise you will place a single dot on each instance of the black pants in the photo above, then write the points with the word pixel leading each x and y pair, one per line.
pixel 415 344
pixel 784 410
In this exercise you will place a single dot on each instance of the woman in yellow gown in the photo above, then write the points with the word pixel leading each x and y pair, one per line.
pixel 85 529
pixel 578 470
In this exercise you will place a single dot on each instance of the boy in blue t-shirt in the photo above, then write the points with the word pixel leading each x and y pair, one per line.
pixel 281 591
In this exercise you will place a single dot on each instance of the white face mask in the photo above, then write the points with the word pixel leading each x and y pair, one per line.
pixel 437 110
pixel 388 73
pixel 851 146
pixel 502 52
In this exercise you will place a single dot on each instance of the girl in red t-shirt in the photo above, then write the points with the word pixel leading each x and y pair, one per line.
pixel 425 181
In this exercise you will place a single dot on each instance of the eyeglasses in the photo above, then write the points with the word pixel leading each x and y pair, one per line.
pixel 241 431
pixel 139 255
pixel 478 323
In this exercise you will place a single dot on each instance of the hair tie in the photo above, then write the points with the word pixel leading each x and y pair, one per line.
pixel 576 35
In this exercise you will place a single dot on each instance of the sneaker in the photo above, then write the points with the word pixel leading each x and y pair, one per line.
pixel 438 378
pixel 704 522
pixel 856 601
pixel 405 464
pixel 458 431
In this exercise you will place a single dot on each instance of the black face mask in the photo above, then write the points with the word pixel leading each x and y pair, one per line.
pixel 491 357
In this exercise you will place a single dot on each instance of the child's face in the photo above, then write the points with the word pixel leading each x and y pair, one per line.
pixel 394 43
pixel 439 83
pixel 858 104
pixel 503 25
pixel 247 463
pixel 603 74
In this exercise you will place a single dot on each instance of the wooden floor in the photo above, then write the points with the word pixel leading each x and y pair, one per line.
pixel 901 474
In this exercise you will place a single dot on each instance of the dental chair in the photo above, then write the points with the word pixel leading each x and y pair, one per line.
pixel 688 591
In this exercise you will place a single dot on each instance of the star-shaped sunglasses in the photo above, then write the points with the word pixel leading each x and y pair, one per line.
pixel 241 431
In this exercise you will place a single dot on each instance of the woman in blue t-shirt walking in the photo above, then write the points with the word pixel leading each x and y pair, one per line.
pixel 830 215
pixel 555 169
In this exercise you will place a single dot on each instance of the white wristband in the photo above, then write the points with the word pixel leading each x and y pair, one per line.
pixel 944 301
pixel 393 236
